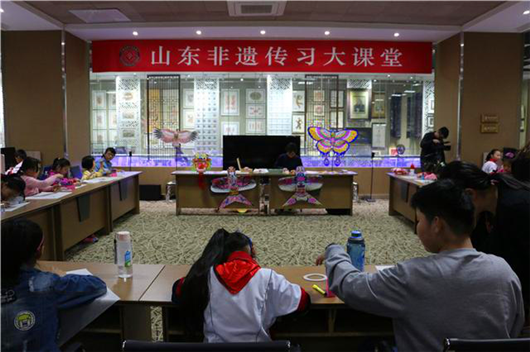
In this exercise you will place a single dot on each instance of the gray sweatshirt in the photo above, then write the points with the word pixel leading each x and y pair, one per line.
pixel 459 293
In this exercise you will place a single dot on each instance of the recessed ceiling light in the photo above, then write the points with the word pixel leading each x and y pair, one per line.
pixel 527 12
pixel 396 34
pixel 1 10
pixel 135 33
pixel 263 32
pixel 199 32
pixel 388 76
pixel 241 79
pixel 327 33
pixel 62 43
pixel 375 80
pixel 462 44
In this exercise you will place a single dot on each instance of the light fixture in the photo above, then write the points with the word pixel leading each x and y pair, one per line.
pixel 327 33
pixel 396 34
pixel 62 43
pixel 462 45
pixel 388 76
pixel 527 12
pixel 375 80
pixel 1 10
pixel 263 32
pixel 135 33
pixel 241 79
pixel 198 32
pixel 411 77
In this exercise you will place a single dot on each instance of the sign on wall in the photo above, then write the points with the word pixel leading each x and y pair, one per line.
pixel 261 56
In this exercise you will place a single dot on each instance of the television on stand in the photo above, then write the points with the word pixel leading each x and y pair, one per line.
pixel 256 152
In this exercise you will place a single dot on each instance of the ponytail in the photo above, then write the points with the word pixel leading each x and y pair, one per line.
pixel 195 292
pixel 21 241
pixel 490 154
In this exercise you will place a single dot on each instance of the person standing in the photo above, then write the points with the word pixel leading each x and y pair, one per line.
pixel 432 149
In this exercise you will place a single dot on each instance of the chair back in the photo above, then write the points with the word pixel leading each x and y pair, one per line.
pixel 276 346
pixel 497 345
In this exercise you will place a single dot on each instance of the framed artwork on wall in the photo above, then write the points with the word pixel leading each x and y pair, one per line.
pixel 99 119
pixel 128 96
pixel 189 98
pixel 298 101
pixel 318 110
pixel 128 134
pixel 255 96
pixel 378 105
pixel 337 123
pixel 111 98
pixel 99 99
pixel 128 114
pixel 229 128
pixel 430 107
pixel 256 111
pixel 333 99
pixel 298 123
pixel 256 126
pixel 188 121
pixel 99 137
pixel 318 95
pixel 358 104
pixel 113 119
pixel 230 102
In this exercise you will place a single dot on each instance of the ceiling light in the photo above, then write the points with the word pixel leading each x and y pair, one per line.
pixel 62 43
pixel 461 45
pixel 527 12
pixel 375 80
pixel 135 33
pixel 327 33
pixel 241 79
pixel 396 34
pixel 2 11
pixel 199 32
pixel 388 76
pixel 262 32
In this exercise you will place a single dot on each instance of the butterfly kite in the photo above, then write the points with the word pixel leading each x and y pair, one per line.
pixel 232 185
pixel 336 141
pixel 300 184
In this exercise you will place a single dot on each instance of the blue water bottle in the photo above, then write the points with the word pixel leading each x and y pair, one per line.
pixel 355 249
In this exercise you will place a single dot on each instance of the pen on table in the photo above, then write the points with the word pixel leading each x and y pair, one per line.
pixel 319 290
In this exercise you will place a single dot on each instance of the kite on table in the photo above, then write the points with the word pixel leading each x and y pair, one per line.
pixel 300 184
pixel 232 185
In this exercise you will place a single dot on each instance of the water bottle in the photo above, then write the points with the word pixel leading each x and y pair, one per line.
pixel 123 251
pixel 355 249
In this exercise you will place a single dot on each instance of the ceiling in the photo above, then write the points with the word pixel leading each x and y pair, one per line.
pixel 412 12
pixel 431 21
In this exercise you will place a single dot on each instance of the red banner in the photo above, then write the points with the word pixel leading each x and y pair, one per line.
pixel 261 56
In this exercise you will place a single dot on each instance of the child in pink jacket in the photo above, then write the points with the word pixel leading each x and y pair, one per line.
pixel 29 172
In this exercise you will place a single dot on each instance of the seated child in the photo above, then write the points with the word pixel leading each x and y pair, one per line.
pixel 12 189
pixel 491 164
pixel 458 292
pixel 229 297
pixel 20 155
pixel 31 298
pixel 89 164
pixel 62 166
pixel 104 164
pixel 29 172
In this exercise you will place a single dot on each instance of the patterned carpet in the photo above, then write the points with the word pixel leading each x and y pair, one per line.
pixel 160 237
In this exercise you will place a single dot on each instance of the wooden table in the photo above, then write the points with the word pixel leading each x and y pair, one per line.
pixel 336 192
pixel 87 210
pixel 402 188
pixel 128 318
pixel 328 323
pixel 188 194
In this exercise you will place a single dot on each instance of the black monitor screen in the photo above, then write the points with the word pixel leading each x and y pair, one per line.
pixel 9 157
pixel 255 151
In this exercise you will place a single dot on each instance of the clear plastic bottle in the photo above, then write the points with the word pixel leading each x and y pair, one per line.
pixel 356 249
pixel 123 251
